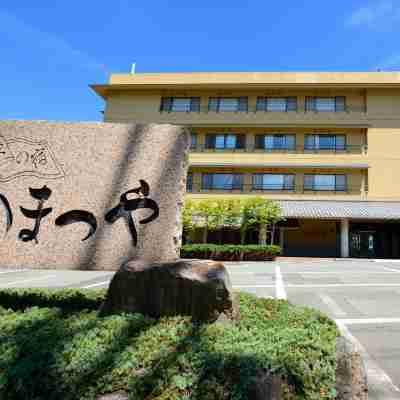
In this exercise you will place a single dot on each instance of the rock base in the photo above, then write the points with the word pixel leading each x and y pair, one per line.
pixel 121 395
pixel 351 377
pixel 197 288
pixel 268 386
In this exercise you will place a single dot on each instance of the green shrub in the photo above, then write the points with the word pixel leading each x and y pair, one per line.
pixel 68 299
pixel 229 252
pixel 54 353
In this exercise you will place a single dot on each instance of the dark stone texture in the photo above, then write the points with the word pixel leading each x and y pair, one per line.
pixel 269 386
pixel 351 377
pixel 198 288
pixel 120 395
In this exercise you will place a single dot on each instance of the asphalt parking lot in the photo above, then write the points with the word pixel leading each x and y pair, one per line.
pixel 363 297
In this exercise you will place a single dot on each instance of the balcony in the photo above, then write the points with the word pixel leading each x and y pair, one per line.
pixel 347 149
pixel 352 116
pixel 273 189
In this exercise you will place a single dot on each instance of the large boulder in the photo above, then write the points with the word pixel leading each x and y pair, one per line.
pixel 198 288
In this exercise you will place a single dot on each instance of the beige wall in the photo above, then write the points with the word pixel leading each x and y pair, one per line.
pixel 125 106
pixel 355 179
pixel 354 137
pixel 373 119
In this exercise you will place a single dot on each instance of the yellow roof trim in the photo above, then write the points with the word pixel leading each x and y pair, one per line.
pixel 234 80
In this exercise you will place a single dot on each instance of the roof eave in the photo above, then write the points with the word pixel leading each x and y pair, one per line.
pixel 104 89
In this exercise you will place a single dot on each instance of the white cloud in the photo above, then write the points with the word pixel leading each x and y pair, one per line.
pixel 378 14
pixel 56 50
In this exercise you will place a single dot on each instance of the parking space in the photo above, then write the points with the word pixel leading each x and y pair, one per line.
pixel 363 297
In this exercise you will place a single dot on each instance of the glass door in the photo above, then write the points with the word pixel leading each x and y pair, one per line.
pixel 363 244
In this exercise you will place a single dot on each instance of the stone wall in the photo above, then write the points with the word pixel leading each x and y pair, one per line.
pixel 87 167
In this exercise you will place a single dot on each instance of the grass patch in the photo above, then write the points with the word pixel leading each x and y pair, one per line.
pixel 57 352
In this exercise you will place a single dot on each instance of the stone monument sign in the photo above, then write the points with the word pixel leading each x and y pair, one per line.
pixel 90 195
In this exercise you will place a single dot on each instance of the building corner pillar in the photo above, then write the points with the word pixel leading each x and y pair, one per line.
pixel 344 238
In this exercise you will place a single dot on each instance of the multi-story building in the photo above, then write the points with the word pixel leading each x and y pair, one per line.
pixel 326 146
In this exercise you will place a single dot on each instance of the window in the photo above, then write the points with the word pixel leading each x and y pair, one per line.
pixel 336 183
pixel 273 182
pixel 326 104
pixel 193 141
pixel 276 142
pixel 228 104
pixel 325 142
pixel 276 104
pixel 180 104
pixel 189 182
pixel 222 141
pixel 222 181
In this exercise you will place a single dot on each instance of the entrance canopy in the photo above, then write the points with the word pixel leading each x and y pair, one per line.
pixel 340 209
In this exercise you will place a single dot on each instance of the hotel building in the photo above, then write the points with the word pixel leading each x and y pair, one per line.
pixel 326 146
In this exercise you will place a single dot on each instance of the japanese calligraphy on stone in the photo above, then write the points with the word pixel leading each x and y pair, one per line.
pixel 127 206
pixel 122 210
pixel 42 195
pixel 24 157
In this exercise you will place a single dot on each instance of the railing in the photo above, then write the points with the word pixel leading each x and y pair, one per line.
pixel 347 149
pixel 347 109
pixel 260 189
pixel 253 109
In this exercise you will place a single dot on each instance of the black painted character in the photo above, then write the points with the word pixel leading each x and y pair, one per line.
pixel 42 195
pixel 126 206
pixel 9 214
pixel 73 216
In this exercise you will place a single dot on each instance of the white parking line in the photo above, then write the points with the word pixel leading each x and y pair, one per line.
pixel 329 285
pixel 252 286
pixel 377 377
pixel 363 321
pixel 96 284
pixel 28 280
pixel 13 270
pixel 391 269
pixel 343 272
pixel 332 305
pixel 326 285
pixel 280 292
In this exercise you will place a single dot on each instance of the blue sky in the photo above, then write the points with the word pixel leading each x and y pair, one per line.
pixel 52 49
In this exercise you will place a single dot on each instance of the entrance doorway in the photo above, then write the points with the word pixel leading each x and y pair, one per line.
pixel 363 244
pixel 374 239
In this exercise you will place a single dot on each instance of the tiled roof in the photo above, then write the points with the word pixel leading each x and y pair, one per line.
pixel 340 209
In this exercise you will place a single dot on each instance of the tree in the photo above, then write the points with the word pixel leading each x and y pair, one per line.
pixel 227 214
pixel 261 213
pixel 188 222
pixel 211 215
pixel 207 216
pixel 275 215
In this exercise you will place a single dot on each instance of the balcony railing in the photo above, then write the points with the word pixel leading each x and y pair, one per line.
pixel 347 149
pixel 264 189
pixel 253 109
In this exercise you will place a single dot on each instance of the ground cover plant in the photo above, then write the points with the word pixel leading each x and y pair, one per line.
pixel 54 346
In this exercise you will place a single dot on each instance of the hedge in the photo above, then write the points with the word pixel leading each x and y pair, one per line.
pixel 230 252
pixel 66 299
pixel 55 353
